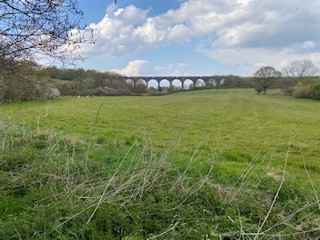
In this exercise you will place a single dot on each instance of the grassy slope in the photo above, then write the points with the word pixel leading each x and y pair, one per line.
pixel 247 137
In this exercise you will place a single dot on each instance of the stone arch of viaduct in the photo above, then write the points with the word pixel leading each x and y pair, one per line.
pixel 207 80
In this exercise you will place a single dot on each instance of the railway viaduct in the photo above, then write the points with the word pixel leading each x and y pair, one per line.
pixel 177 81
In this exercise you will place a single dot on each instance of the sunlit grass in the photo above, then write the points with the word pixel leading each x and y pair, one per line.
pixel 226 163
pixel 231 120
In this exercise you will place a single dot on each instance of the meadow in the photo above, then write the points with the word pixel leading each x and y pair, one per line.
pixel 209 164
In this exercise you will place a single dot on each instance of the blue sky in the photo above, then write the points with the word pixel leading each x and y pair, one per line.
pixel 200 37
pixel 95 9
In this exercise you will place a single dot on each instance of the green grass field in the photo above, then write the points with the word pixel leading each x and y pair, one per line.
pixel 260 154
pixel 214 121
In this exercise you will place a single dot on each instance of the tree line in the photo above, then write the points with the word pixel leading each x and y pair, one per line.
pixel 298 79
pixel 82 82
pixel 30 81
pixel 91 82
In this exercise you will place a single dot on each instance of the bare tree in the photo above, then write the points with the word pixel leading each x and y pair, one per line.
pixel 30 28
pixel 264 78
pixel 300 69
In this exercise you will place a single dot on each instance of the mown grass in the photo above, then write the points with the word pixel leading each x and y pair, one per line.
pixel 216 164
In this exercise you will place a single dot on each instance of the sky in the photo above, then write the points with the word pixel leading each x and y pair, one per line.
pixel 199 37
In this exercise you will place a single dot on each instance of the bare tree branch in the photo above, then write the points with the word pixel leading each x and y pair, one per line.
pixel 300 69
pixel 49 28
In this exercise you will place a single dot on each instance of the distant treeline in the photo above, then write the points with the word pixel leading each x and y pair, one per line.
pixel 29 81
pixel 91 82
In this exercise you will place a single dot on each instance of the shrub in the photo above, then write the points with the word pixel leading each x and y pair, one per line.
pixel 30 83
pixel 315 91
pixel 287 85
pixel 307 91
pixel 301 91
pixel 12 89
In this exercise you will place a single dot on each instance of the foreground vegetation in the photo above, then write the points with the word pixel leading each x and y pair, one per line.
pixel 211 164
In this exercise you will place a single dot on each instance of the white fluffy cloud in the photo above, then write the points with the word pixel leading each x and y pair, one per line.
pixel 241 32
pixel 146 68
pixel 134 68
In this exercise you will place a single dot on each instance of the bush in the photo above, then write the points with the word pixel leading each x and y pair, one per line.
pixel 26 81
pixel 287 85
pixel 301 92
pixel 315 91
pixel 12 89
pixel 307 91
pixel 66 89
